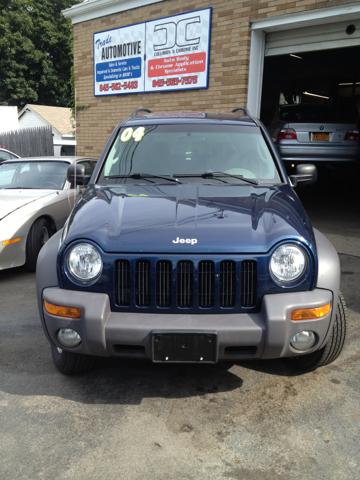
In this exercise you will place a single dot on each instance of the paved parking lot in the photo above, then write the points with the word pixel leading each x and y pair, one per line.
pixel 135 420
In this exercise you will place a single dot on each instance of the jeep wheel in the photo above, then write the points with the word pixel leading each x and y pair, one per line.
pixel 70 363
pixel 332 349
pixel 39 234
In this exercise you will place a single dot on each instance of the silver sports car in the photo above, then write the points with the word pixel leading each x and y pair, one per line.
pixel 35 201
pixel 7 155
pixel 315 133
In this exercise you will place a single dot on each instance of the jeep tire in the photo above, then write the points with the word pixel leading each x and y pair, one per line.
pixel 70 363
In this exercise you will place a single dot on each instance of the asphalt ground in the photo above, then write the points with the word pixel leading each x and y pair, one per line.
pixel 137 420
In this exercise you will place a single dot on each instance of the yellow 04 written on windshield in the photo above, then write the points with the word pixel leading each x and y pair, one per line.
pixel 129 133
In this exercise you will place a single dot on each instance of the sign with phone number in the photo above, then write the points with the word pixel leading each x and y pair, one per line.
pixel 166 54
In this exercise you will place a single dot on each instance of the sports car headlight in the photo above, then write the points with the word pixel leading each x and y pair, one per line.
pixel 84 263
pixel 289 264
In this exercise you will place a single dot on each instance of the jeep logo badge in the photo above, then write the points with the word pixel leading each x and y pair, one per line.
pixel 192 241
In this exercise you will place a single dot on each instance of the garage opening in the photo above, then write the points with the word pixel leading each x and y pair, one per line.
pixel 325 77
pixel 316 64
pixel 317 69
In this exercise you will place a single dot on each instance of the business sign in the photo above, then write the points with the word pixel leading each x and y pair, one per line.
pixel 166 54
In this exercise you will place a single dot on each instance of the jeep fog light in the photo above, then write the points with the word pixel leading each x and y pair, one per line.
pixel 303 340
pixel 84 263
pixel 68 337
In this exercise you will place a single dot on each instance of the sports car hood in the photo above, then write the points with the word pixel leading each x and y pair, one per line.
pixel 11 200
pixel 189 218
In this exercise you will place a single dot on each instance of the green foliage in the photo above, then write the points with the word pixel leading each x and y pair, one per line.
pixel 35 52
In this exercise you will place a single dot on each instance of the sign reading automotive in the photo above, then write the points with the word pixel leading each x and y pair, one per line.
pixel 166 54
pixel 118 60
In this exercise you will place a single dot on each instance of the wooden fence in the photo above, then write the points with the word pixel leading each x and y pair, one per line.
pixel 29 142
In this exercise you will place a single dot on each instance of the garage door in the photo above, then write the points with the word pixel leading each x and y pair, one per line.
pixel 319 37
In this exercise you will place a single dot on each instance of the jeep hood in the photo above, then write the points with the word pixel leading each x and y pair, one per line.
pixel 213 218
pixel 11 200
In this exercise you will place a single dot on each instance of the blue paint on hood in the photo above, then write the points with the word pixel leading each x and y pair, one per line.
pixel 221 218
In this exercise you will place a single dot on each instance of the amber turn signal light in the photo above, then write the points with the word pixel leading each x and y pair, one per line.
pixel 310 313
pixel 68 312
pixel 9 242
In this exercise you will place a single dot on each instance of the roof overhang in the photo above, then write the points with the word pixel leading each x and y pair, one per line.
pixel 308 18
pixel 91 9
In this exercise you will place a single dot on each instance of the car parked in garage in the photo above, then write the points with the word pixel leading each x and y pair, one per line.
pixel 35 201
pixel 190 245
pixel 315 134
pixel 7 155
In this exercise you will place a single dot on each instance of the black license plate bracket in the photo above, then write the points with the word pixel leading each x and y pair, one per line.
pixel 184 347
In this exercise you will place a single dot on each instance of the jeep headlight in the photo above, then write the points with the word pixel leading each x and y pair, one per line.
pixel 289 264
pixel 84 263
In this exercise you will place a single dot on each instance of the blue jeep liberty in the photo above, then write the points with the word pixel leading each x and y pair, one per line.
pixel 190 245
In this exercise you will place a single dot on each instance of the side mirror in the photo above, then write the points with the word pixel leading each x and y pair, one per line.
pixel 75 174
pixel 304 175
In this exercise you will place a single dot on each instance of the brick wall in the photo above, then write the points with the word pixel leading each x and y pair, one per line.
pixel 228 71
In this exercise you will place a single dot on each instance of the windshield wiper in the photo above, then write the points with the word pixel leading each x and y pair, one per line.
pixel 217 175
pixel 240 177
pixel 21 188
pixel 144 176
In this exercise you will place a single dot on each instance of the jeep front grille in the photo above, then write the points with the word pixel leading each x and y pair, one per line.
pixel 185 278
pixel 227 283
pixel 248 283
pixel 206 284
pixel 186 284
pixel 143 283
pixel 163 283
pixel 122 282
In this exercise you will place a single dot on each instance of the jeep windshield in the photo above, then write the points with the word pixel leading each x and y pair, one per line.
pixel 190 152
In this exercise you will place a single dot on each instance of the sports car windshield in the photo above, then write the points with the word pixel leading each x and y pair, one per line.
pixel 187 152
pixel 33 175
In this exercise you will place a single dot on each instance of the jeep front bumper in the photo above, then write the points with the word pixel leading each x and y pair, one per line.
pixel 265 335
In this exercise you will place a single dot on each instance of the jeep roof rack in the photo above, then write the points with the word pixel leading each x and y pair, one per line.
pixel 141 109
pixel 245 110
pixel 247 113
